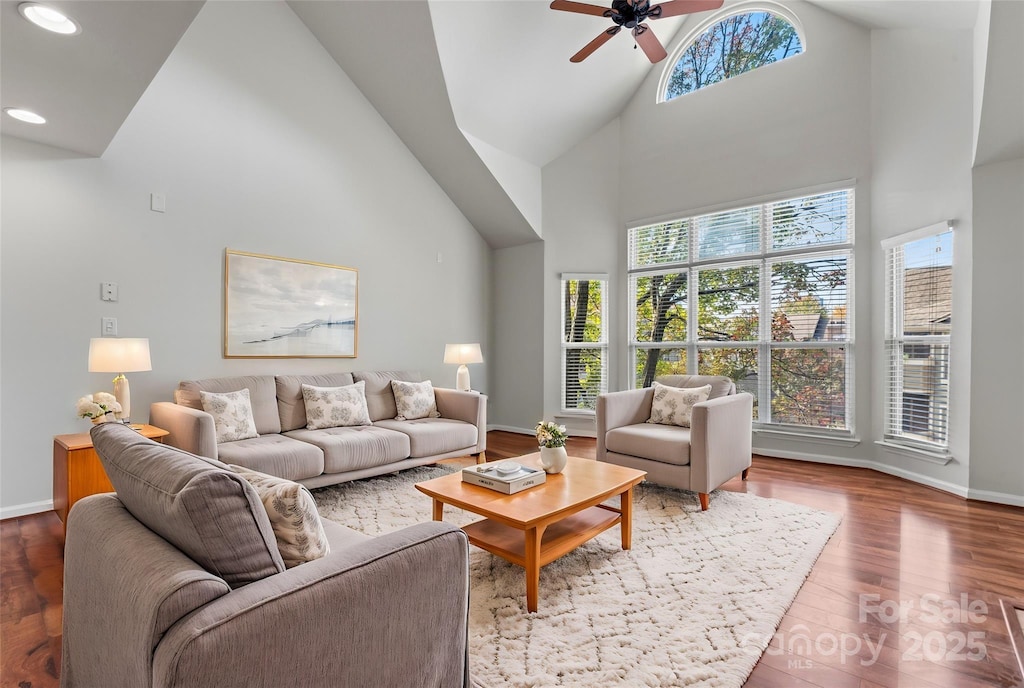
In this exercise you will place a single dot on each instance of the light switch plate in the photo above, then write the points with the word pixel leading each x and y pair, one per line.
pixel 108 327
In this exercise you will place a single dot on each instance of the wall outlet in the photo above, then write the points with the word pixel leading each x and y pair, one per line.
pixel 108 291
pixel 108 327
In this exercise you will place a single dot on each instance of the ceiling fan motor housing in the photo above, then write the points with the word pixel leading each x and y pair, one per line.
pixel 625 13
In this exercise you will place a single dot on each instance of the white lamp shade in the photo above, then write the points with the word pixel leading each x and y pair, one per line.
pixel 463 353
pixel 118 355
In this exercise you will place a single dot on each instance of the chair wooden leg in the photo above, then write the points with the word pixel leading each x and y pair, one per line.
pixel 481 457
pixel 743 475
pixel 703 500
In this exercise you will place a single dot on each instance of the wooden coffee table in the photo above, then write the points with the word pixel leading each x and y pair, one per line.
pixel 534 527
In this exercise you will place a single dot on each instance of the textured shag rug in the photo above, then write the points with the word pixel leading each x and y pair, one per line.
pixel 693 603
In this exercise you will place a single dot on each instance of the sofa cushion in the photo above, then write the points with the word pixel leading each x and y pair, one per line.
pixel 380 400
pixel 232 415
pixel 274 455
pixel 349 449
pixel 720 385
pixel 208 512
pixel 290 405
pixel 674 405
pixel 335 407
pixel 341 537
pixel 665 443
pixel 292 511
pixel 262 396
pixel 414 400
pixel 432 436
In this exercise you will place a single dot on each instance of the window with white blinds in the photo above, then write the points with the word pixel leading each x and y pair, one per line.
pixel 584 341
pixel 761 294
pixel 918 323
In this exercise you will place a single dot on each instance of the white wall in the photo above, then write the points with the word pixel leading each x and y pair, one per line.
pixel 922 147
pixel 584 235
pixel 261 144
pixel 518 375
pixel 997 416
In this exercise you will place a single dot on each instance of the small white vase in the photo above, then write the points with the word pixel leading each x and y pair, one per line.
pixel 553 459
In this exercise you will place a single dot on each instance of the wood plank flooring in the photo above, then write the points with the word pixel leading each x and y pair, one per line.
pixel 899 543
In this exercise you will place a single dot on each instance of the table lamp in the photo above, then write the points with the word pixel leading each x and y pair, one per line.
pixel 462 354
pixel 119 355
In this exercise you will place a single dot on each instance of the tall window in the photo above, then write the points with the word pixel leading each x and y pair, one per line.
pixel 735 45
pixel 584 341
pixel 759 294
pixel 919 310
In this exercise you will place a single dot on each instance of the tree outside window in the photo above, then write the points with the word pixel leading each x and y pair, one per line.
pixel 735 45
pixel 796 359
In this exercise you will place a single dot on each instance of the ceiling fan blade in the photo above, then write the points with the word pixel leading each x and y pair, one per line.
pixel 674 8
pixel 649 43
pixel 581 8
pixel 593 45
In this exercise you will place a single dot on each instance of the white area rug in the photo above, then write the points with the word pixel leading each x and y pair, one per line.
pixel 694 603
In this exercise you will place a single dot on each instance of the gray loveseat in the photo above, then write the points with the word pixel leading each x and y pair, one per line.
pixel 716 446
pixel 315 458
pixel 177 581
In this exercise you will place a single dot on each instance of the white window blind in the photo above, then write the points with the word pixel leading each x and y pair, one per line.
pixel 761 294
pixel 918 323
pixel 584 340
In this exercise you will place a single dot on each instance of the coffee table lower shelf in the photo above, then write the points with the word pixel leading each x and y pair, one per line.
pixel 558 539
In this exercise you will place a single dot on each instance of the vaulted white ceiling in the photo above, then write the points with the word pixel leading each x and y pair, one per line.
pixel 481 91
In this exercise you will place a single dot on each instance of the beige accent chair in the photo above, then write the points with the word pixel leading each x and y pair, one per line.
pixel 700 458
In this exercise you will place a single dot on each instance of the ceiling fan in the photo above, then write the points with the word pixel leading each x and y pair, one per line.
pixel 632 14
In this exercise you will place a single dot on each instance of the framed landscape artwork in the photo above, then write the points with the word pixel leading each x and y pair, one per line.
pixel 287 308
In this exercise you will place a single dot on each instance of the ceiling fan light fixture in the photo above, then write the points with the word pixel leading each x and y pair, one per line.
pixel 48 18
pixel 24 115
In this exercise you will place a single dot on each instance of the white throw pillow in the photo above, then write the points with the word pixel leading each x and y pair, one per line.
pixel 414 400
pixel 232 414
pixel 674 405
pixel 300 534
pixel 335 407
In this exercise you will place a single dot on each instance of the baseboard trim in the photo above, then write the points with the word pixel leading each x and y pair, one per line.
pixel 943 485
pixel 25 509
pixel 510 428
pixel 997 497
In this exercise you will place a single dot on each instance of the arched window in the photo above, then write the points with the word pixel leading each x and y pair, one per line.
pixel 736 44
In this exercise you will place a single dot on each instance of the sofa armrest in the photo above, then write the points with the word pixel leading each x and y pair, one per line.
pixel 191 429
pixel 465 406
pixel 124 587
pixel 720 440
pixel 376 614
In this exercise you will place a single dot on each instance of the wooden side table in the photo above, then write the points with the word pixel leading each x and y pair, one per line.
pixel 77 471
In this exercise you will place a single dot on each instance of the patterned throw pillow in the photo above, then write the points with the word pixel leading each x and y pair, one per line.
pixel 232 414
pixel 335 407
pixel 414 400
pixel 674 405
pixel 300 534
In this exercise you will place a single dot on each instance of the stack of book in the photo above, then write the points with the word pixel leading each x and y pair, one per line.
pixel 506 477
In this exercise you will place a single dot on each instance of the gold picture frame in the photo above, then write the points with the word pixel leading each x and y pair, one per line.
pixel 288 308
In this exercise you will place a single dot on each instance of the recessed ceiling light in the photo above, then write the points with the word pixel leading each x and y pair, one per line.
pixel 48 18
pixel 25 115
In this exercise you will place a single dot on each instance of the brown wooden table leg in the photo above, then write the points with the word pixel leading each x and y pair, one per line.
pixel 438 510
pixel 533 538
pixel 626 507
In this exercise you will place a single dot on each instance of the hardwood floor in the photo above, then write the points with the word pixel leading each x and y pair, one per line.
pixel 948 561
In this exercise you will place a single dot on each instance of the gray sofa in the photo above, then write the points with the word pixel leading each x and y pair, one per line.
pixel 176 581
pixel 716 446
pixel 315 458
